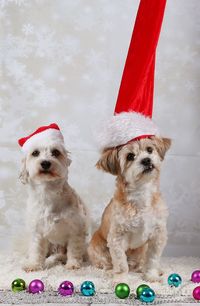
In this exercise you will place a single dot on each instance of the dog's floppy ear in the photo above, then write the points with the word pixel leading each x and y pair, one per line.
pixel 66 154
pixel 162 145
pixel 24 173
pixel 68 161
pixel 109 161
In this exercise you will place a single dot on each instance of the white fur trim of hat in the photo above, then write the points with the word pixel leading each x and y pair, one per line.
pixel 125 127
pixel 44 135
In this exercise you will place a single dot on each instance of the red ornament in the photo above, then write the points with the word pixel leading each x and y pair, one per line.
pixel 196 293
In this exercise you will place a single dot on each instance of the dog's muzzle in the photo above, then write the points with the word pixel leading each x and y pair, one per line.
pixel 45 164
pixel 147 163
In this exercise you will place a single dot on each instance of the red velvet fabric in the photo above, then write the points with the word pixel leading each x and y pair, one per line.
pixel 21 141
pixel 137 84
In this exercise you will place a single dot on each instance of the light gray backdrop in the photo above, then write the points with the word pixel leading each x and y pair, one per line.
pixel 62 61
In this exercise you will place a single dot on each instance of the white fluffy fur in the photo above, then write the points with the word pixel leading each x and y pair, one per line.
pixel 56 216
pixel 10 267
pixel 45 137
pixel 123 127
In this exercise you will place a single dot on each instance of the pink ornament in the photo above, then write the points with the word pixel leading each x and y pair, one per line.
pixel 36 286
pixel 195 278
pixel 196 293
pixel 66 288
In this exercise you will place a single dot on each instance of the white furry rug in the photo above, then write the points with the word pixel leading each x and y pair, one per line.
pixel 10 269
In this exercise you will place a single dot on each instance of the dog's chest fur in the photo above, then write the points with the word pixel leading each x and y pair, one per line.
pixel 139 218
pixel 53 215
pixel 140 229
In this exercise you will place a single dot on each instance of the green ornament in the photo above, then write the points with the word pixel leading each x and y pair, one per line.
pixel 122 290
pixel 18 285
pixel 140 289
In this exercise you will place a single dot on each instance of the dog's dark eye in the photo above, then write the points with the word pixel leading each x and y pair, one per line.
pixel 130 156
pixel 149 150
pixel 35 153
pixel 55 153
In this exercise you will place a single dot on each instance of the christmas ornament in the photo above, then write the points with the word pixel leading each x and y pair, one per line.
pixel 122 290
pixel 147 295
pixel 195 277
pixel 66 288
pixel 174 280
pixel 43 135
pixel 140 289
pixel 196 293
pixel 18 285
pixel 134 106
pixel 36 286
pixel 88 288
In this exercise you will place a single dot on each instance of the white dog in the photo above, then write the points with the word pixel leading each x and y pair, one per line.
pixel 56 216
pixel 133 230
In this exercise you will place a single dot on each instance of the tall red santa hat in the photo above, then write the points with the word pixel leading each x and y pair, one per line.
pixel 133 111
pixel 44 135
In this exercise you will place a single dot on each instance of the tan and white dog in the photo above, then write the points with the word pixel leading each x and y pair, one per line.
pixel 133 230
pixel 56 216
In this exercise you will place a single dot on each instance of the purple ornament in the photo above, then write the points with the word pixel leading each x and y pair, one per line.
pixel 196 293
pixel 66 288
pixel 36 286
pixel 195 278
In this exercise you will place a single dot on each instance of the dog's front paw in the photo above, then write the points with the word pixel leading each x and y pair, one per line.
pixel 73 265
pixel 104 266
pixel 153 275
pixel 138 269
pixel 120 273
pixel 32 266
pixel 121 268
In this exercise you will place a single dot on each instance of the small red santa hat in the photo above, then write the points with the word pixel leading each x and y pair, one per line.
pixel 133 111
pixel 44 135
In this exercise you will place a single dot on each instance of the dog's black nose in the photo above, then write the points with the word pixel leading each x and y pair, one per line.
pixel 146 161
pixel 45 164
